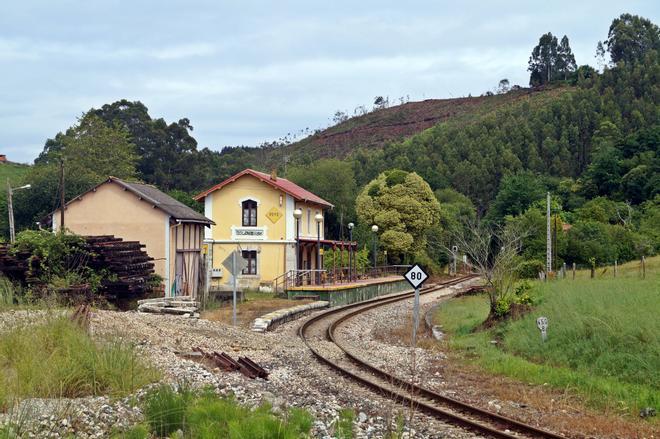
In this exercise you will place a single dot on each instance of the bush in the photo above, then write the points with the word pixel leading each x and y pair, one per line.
pixel 76 366
pixel 60 257
pixel 530 269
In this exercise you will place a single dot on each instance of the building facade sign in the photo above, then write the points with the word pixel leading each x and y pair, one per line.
pixel 248 233
pixel 274 215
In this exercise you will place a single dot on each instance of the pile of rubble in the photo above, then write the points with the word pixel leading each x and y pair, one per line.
pixel 184 306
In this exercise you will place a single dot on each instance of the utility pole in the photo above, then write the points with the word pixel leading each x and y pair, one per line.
pixel 62 195
pixel 554 245
pixel 548 255
pixel 10 208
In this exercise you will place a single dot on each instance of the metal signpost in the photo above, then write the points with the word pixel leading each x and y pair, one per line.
pixel 234 263
pixel 416 276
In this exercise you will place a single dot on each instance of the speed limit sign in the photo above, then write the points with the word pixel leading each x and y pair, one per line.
pixel 416 276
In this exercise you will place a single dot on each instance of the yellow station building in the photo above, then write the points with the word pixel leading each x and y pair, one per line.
pixel 253 213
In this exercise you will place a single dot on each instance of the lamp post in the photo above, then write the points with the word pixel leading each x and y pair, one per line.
pixel 10 208
pixel 297 214
pixel 350 251
pixel 319 219
pixel 374 229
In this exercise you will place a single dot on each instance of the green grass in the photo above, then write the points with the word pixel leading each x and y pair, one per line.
pixel 632 269
pixel 603 339
pixel 59 359
pixel 204 414
pixel 15 172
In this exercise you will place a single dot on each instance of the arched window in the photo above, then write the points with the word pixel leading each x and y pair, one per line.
pixel 249 213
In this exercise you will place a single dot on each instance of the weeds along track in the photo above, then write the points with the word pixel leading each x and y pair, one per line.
pixel 318 333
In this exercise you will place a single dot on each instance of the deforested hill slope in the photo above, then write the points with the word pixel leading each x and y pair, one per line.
pixel 393 124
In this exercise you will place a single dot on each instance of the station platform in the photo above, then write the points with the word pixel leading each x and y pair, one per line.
pixel 349 292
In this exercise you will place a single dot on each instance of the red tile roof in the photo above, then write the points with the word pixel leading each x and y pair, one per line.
pixel 282 184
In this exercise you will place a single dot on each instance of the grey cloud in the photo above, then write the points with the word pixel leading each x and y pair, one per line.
pixel 247 72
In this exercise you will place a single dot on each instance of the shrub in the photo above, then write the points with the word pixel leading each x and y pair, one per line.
pixel 530 269
pixel 60 258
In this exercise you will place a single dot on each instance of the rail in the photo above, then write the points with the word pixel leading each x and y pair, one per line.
pixel 409 393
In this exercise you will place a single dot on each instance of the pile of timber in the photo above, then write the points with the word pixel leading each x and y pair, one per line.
pixel 19 266
pixel 131 266
pixel 179 305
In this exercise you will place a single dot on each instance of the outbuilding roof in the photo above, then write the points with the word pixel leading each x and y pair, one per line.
pixel 150 194
pixel 287 186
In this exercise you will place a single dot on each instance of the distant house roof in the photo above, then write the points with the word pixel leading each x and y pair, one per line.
pixel 150 194
pixel 289 187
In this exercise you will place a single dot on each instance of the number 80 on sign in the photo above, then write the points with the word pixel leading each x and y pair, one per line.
pixel 416 276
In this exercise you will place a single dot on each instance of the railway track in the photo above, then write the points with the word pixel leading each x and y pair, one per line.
pixel 318 333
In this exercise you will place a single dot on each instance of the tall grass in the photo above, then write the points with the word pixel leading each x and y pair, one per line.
pixel 7 294
pixel 59 359
pixel 603 339
pixel 206 415
pixel 605 327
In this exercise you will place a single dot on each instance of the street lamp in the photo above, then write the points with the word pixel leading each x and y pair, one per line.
pixel 350 251
pixel 318 218
pixel 10 207
pixel 374 229
pixel 297 214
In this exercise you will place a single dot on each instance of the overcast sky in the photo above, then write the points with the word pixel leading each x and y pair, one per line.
pixel 247 72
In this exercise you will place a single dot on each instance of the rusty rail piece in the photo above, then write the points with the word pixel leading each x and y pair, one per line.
pixel 244 365
pixel 405 392
pixel 253 367
pixel 82 316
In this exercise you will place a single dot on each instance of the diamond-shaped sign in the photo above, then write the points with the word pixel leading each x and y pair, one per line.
pixel 416 276
pixel 241 263
pixel 274 215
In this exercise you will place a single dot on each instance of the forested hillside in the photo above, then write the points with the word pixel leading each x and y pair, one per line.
pixel 589 137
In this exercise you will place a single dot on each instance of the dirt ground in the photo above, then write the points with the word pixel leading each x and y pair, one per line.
pixel 250 309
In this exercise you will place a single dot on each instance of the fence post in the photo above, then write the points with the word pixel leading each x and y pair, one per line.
pixel 616 265
pixel 643 267
pixel 573 270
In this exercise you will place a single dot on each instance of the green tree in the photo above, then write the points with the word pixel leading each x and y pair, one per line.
pixel 551 60
pixel 650 226
pixel 91 151
pixel 543 60
pixel 168 154
pixel 631 37
pixel 404 207
pixel 566 64
pixel 334 181
pixel 517 192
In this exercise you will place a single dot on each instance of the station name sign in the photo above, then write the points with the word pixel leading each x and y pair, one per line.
pixel 249 233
